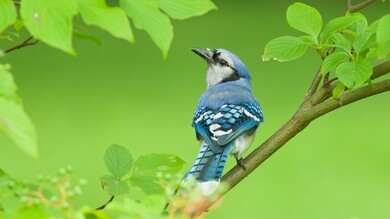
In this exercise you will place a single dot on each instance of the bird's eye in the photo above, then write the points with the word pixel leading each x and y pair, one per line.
pixel 223 62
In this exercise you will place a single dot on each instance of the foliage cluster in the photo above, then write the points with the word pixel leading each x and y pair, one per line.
pixel 347 44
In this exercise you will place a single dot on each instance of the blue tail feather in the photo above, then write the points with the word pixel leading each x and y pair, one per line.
pixel 209 166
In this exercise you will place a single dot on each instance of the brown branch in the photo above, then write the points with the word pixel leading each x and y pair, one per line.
pixel 314 84
pixel 105 204
pixel 355 8
pixel 318 105
pixel 23 44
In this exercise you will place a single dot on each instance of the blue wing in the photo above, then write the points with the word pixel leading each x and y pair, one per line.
pixel 219 127
pixel 203 117
pixel 234 119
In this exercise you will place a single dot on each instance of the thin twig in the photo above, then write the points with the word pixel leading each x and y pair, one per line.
pixel 355 8
pixel 17 3
pixel 23 44
pixel 314 84
pixel 105 204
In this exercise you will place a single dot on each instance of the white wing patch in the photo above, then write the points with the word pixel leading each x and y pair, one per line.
pixel 218 133
pixel 219 115
pixel 213 127
pixel 251 115
pixel 200 118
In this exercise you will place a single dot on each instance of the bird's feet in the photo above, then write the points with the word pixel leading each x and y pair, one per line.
pixel 241 163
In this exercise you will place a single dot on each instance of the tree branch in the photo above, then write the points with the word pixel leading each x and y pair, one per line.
pixel 355 8
pixel 23 44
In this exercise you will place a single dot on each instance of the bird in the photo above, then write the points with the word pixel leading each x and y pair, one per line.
pixel 225 119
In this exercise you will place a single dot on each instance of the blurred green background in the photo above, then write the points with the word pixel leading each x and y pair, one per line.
pixel 127 94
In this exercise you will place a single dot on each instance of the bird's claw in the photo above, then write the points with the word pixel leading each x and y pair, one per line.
pixel 241 163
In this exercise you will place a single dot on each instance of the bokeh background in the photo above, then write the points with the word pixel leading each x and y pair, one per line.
pixel 339 167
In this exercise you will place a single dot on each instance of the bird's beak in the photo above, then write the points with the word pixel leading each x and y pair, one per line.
pixel 206 54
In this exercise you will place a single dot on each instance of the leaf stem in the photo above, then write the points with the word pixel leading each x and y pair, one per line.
pixel 23 44
pixel 105 204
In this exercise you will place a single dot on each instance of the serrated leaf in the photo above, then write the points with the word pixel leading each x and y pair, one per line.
pixel 111 19
pixel 146 169
pixel 118 160
pixel 182 9
pixel 304 18
pixel 363 41
pixel 337 24
pixel 285 48
pixel 354 73
pixel 8 14
pixel 113 186
pixel 383 36
pixel 338 40
pixel 15 123
pixel 147 16
pixel 333 60
pixel 338 91
pixel 50 21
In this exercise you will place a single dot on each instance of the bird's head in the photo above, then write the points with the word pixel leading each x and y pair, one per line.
pixel 223 66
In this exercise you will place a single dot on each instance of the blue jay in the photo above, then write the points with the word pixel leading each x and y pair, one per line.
pixel 225 119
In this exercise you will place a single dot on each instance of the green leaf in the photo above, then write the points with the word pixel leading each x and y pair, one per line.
pixel 285 48
pixel 113 20
pixel 360 24
pixel 118 160
pixel 333 60
pixel 363 41
pixel 50 21
pixel 338 40
pixel 337 24
pixel 146 169
pixel 8 14
pixel 18 25
pixel 15 123
pixel 304 18
pixel 309 40
pixel 84 35
pixel 383 35
pixel 338 91
pixel 113 186
pixel 154 163
pixel 7 84
pixel 354 73
pixel 147 16
pixel 148 183
pixel 182 9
